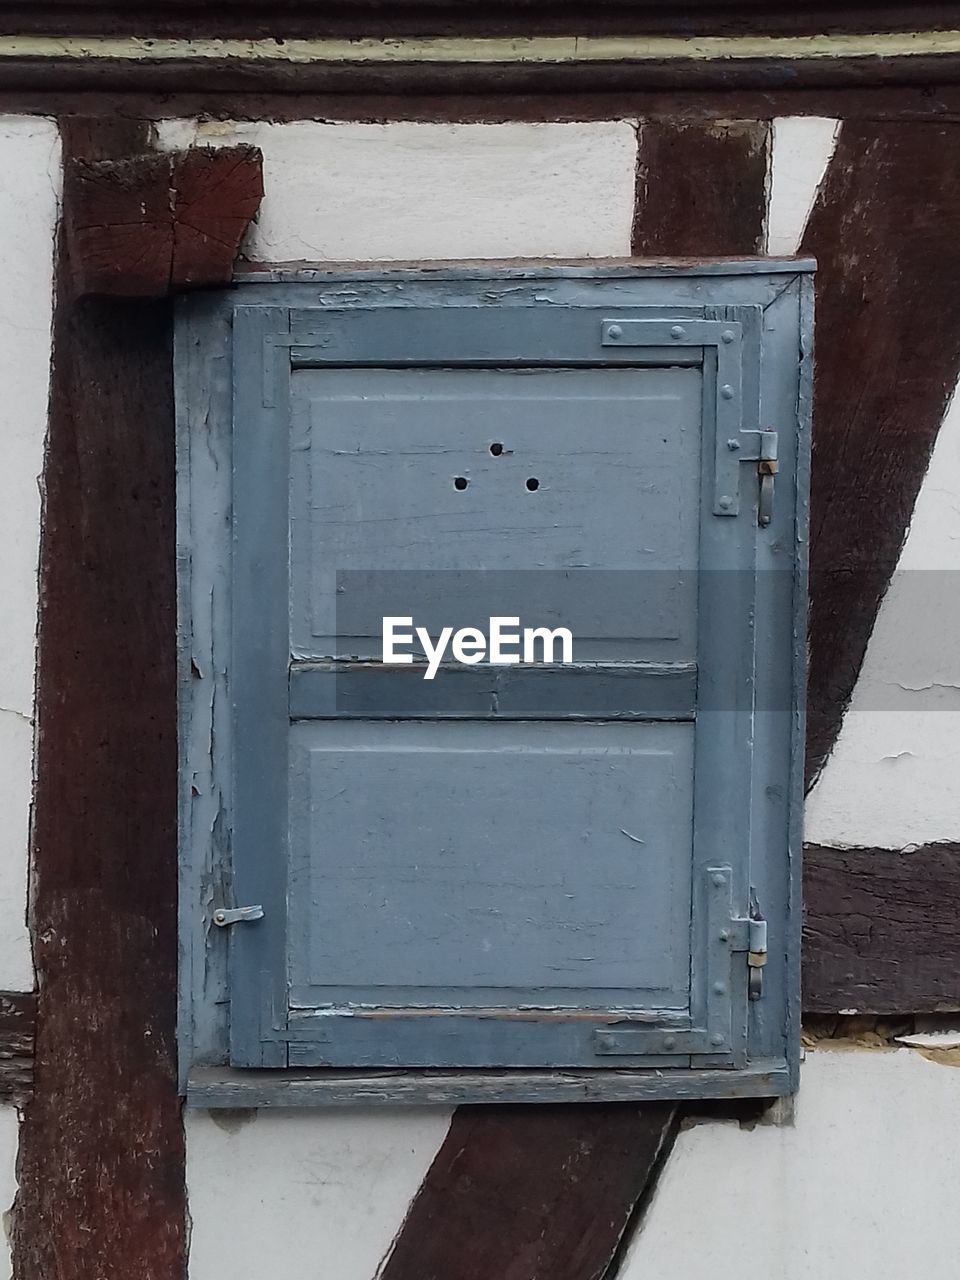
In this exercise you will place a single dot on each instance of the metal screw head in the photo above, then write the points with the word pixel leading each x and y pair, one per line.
pixel 719 989
pixel 727 335
pixel 614 332
pixel 677 331
pixel 219 917
pixel 716 1039
pixel 727 391
pixel 669 1043
pixel 733 445
pixel 719 879
pixel 724 935
pixel 726 502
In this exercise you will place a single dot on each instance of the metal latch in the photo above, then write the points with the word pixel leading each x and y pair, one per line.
pixel 233 915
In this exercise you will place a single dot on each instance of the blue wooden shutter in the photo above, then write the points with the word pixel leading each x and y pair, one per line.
pixel 505 867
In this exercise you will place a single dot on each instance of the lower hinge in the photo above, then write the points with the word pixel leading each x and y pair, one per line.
pixel 751 936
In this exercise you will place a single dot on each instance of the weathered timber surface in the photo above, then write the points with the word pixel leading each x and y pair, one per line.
pixel 17 1024
pixel 613 75
pixel 145 225
pixel 289 19
pixel 541 1192
pixel 101 1164
pixel 881 930
pixel 700 188
pixel 884 233
pixel 480 94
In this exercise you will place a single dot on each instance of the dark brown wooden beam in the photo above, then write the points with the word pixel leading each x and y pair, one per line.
pixel 884 233
pixel 238 76
pixel 490 102
pixel 147 225
pixel 541 1192
pixel 881 930
pixel 701 190
pixel 288 19
pixel 101 1165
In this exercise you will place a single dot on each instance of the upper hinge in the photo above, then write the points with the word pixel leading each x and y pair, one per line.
pixel 761 447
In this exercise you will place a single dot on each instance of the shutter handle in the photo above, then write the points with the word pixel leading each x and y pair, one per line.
pixel 234 915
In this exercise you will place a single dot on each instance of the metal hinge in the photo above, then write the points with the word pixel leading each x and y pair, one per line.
pixel 234 915
pixel 761 447
pixel 751 936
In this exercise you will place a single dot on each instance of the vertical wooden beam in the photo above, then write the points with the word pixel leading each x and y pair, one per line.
pixel 101 1167
pixel 701 188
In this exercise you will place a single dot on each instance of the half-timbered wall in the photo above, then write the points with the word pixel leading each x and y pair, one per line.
pixel 860 1174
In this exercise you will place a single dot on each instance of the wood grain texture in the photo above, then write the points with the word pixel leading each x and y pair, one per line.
pixel 287 19
pixel 881 932
pixel 101 1164
pixel 17 1026
pixel 884 232
pixel 222 78
pixel 144 225
pixel 49 92
pixel 701 188
pixel 531 1193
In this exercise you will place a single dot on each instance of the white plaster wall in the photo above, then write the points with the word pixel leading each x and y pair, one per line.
pixel 390 192
pixel 29 196
pixel 9 1137
pixel 303 1193
pixel 893 779
pixel 864 1183
pixel 800 152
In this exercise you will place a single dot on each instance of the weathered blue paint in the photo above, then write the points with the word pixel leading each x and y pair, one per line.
pixel 505 867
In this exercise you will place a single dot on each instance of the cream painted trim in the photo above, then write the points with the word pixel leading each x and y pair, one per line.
pixel 535 49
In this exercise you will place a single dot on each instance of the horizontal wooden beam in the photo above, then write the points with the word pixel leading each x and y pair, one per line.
pixel 287 19
pixel 528 63
pixel 881 930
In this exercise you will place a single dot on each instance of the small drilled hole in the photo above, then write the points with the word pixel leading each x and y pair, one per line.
pixel 461 482
pixel 533 484
pixel 496 450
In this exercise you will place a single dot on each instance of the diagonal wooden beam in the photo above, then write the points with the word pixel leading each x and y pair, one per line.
pixel 531 1193
pixel 884 232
